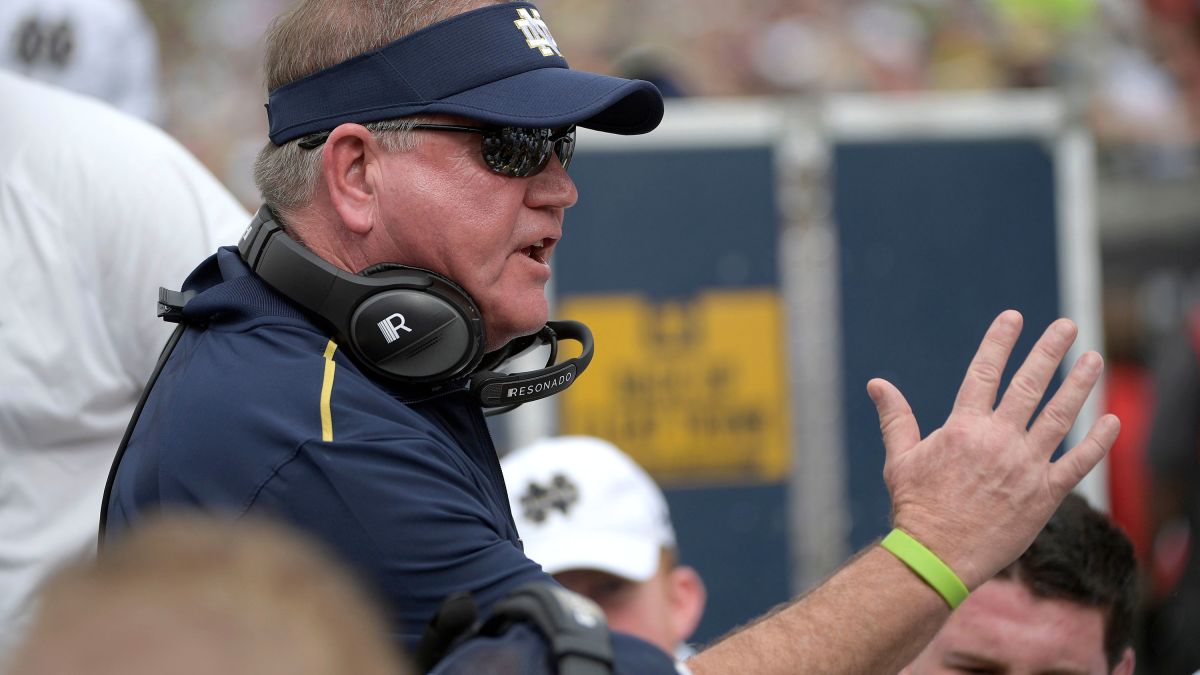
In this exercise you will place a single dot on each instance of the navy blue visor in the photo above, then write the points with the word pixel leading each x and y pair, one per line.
pixel 497 64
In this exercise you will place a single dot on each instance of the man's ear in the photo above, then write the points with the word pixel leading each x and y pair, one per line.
pixel 350 171
pixel 687 597
pixel 1125 665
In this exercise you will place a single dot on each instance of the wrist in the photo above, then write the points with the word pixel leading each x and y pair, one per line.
pixel 941 538
pixel 926 565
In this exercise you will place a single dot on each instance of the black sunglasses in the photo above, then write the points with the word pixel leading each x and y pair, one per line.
pixel 509 151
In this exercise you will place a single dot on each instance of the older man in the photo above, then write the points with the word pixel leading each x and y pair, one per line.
pixel 332 370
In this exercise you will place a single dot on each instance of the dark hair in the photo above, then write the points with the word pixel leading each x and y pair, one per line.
pixel 1082 557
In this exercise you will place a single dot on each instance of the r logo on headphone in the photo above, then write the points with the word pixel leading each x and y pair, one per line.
pixel 391 330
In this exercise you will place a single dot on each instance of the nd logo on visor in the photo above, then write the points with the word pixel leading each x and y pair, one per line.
pixel 537 33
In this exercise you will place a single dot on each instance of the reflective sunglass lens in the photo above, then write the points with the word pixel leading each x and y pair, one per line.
pixel 515 151
pixel 509 151
pixel 564 147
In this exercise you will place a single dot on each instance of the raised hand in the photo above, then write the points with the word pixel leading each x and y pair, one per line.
pixel 978 490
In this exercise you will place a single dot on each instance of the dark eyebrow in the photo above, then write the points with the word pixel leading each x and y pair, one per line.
pixel 960 658
pixel 970 659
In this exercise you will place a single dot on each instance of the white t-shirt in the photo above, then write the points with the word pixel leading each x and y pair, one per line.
pixel 102 48
pixel 97 210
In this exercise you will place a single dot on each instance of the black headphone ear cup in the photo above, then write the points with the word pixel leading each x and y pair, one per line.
pixel 409 325
pixel 411 334
pixel 422 334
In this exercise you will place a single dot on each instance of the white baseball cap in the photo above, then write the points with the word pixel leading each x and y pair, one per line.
pixel 581 503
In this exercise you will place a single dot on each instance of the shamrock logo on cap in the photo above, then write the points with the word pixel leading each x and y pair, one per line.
pixel 539 500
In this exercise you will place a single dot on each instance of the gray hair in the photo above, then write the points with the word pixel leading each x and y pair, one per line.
pixel 315 35
pixel 287 174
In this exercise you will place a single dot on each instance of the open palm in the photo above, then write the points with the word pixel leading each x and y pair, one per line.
pixel 980 488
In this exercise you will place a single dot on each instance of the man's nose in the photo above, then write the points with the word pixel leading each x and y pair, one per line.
pixel 552 187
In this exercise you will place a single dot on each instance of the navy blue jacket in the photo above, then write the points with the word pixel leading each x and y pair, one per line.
pixel 258 412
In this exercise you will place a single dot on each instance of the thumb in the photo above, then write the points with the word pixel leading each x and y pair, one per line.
pixel 896 420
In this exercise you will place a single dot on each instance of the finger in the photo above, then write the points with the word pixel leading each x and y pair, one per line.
pixel 1057 418
pixel 1029 384
pixel 1066 473
pixel 978 390
pixel 896 420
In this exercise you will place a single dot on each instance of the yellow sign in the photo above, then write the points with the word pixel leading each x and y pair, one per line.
pixel 695 392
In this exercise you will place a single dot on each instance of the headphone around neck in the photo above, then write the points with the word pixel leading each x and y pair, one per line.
pixel 407 325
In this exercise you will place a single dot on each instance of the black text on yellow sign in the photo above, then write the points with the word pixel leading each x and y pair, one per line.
pixel 695 392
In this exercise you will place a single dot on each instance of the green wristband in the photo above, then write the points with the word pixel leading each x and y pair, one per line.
pixel 927 566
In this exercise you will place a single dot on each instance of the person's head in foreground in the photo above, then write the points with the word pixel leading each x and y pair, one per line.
pixel 188 595
pixel 445 149
pixel 597 522
pixel 1065 607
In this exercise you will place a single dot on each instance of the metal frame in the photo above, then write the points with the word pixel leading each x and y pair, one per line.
pixel 802 134
pixel 1045 115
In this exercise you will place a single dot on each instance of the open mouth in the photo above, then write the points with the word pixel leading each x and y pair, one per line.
pixel 537 251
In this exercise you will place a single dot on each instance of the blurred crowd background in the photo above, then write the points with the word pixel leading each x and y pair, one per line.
pixel 1129 67
pixel 1133 66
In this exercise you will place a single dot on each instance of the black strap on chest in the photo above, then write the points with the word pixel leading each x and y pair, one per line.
pixel 573 626
pixel 170 309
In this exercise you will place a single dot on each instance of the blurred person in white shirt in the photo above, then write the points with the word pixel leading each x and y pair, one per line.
pixel 97 210
pixel 102 48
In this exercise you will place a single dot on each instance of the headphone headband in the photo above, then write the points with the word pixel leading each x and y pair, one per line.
pixel 275 256
pixel 409 325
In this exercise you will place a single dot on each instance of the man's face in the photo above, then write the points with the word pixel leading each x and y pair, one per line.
pixel 446 211
pixel 642 609
pixel 1003 629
